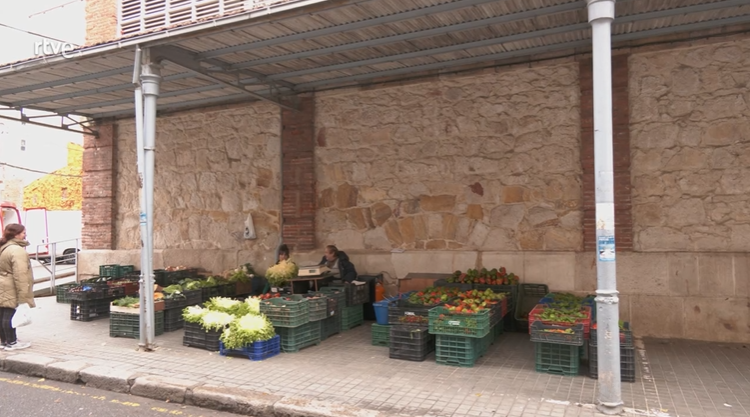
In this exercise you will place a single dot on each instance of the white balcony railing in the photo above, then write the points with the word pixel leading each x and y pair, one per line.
pixel 136 16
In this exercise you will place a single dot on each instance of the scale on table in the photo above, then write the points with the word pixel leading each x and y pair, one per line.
pixel 313 270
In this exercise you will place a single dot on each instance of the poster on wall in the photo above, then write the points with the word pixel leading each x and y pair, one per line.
pixel 606 248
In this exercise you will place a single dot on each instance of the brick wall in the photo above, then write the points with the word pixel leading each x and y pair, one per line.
pixel 621 153
pixel 101 21
pixel 98 189
pixel 298 152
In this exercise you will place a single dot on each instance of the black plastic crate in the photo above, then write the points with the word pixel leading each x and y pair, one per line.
pixel 355 294
pixel 95 291
pixel 528 297
pixel 445 284
pixel 552 333
pixel 129 325
pixel 410 343
pixel 626 336
pixel 404 313
pixel 627 363
pixel 194 297
pixel 173 320
pixel 89 310
pixel 196 336
pixel 62 292
pixel 177 301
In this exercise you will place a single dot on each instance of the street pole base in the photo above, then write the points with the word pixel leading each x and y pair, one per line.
pixel 609 409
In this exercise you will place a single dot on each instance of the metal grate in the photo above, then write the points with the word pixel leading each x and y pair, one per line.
pixel 138 16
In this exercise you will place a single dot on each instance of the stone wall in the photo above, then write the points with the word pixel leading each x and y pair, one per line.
pixel 213 169
pixel 690 133
pixel 488 162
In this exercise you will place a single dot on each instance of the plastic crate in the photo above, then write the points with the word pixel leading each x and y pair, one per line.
pixel 256 351
pixel 196 336
pixel 498 311
pixel 129 325
pixel 86 292
pixel 626 336
pixel 352 317
pixel 410 343
pixel 381 335
pixel 510 289
pixel 329 327
pixel 457 350
pixel 355 294
pixel 442 321
pixel 498 331
pixel 293 339
pixel 404 313
pixel 177 301
pixel 193 297
pixel 89 310
pixel 586 322
pixel 128 285
pixel 528 297
pixel 552 358
pixel 550 333
pixel 627 363
pixel 285 313
pixel 62 292
pixel 112 270
pixel 317 306
pixel 173 320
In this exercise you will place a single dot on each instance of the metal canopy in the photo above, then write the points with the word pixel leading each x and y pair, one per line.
pixel 308 45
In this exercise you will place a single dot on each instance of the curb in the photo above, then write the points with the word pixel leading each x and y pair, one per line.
pixel 182 391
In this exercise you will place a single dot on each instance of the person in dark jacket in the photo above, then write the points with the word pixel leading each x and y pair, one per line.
pixel 339 263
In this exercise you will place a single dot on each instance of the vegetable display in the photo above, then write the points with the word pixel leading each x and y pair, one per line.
pixel 243 273
pixel 484 277
pixel 246 330
pixel 239 322
pixel 433 296
pixel 279 274
pixel 228 305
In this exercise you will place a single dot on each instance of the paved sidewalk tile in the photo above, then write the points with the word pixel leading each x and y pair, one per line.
pixel 674 379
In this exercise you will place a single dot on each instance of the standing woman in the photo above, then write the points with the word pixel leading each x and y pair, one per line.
pixel 16 282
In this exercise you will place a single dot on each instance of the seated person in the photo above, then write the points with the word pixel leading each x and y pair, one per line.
pixel 338 262
pixel 283 253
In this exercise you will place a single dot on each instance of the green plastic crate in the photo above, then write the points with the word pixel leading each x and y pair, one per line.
pixel 129 325
pixel 62 292
pixel 352 317
pixel 317 307
pixel 459 351
pixel 283 313
pixel 442 321
pixel 381 335
pixel 498 330
pixel 112 270
pixel 552 358
pixel 293 339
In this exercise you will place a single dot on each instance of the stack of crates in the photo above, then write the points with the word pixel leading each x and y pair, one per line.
pixel 353 312
pixel 627 355
pixel 92 301
pixel 331 325
pixel 291 319
pixel 411 343
pixel 198 337
pixel 461 339
pixel 460 350
pixel 173 308
pixel 528 297
pixel 381 335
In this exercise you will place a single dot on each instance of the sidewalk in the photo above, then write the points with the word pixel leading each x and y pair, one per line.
pixel 346 376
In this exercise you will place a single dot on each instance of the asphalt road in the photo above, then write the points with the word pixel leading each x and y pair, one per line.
pixel 37 397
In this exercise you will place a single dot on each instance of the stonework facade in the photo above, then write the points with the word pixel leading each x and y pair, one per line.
pixel 213 169
pixel 690 127
pixel 488 162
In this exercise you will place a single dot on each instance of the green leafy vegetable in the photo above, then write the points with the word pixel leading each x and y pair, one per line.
pixel 194 314
pixel 216 320
pixel 282 272
pixel 228 305
pixel 246 330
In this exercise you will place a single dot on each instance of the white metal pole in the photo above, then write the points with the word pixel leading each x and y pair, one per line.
pixel 143 288
pixel 601 14
pixel 150 79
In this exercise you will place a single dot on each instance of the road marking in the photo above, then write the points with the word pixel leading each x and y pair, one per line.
pixel 93 397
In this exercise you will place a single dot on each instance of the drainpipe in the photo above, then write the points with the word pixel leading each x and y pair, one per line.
pixel 143 324
pixel 150 79
pixel 601 14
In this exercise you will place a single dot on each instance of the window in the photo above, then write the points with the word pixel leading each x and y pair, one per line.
pixel 136 16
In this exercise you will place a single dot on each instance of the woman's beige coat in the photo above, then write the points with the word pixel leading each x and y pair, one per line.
pixel 16 277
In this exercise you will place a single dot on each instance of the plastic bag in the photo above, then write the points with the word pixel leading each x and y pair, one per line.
pixel 22 316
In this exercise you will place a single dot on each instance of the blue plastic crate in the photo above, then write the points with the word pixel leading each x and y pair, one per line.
pixel 256 351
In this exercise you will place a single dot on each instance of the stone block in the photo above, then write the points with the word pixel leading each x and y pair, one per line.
pixel 233 400
pixel 642 273
pixel 441 262
pixel 162 388
pixel 716 275
pixel 742 276
pixel 65 371
pixel 657 316
pixel 444 203
pixel 474 212
pixel 557 270
pixel 380 212
pixel 585 272
pixel 89 260
pixel 27 364
pixel 346 196
pixel 108 378
pixel 683 274
pixel 718 319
